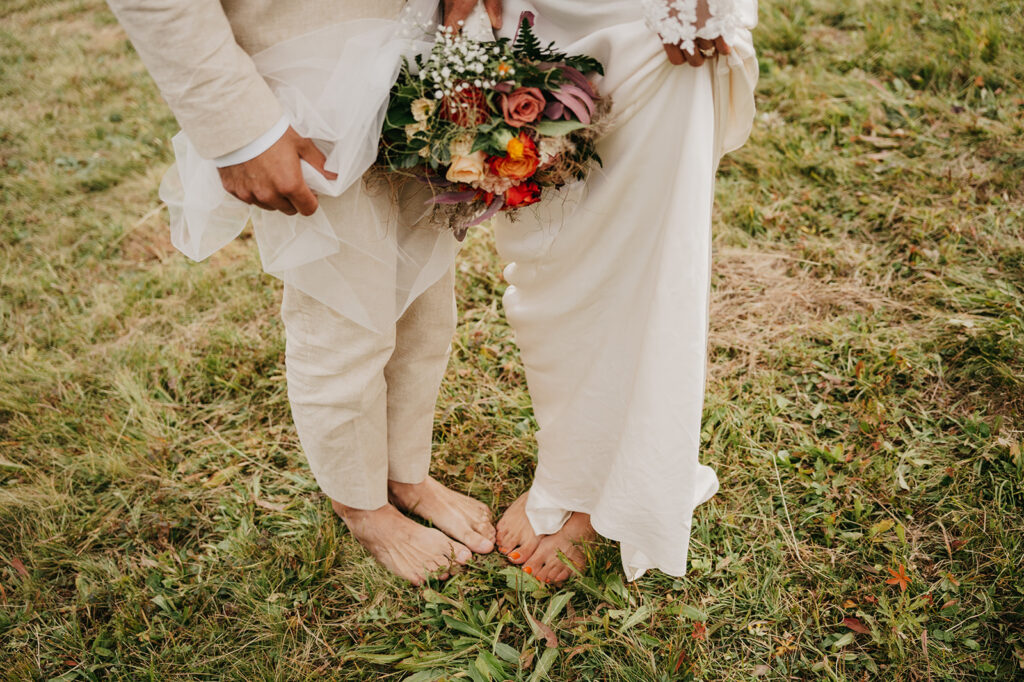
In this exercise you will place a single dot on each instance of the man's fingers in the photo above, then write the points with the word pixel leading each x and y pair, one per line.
pixel 722 46
pixel 304 200
pixel 494 8
pixel 312 155
pixel 675 55
pixel 273 201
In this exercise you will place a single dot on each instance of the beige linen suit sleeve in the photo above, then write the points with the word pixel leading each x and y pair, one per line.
pixel 212 86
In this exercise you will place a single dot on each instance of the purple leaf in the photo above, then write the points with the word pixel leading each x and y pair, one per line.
pixel 554 110
pixel 579 104
pixel 579 80
pixel 486 215
pixel 528 17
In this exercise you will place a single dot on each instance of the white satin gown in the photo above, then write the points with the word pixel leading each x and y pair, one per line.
pixel 609 285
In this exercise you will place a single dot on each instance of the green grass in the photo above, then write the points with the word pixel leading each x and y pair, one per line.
pixel 865 407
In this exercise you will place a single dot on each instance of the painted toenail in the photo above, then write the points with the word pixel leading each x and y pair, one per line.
pixel 528 570
pixel 514 555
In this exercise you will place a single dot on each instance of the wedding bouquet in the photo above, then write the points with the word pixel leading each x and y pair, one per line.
pixel 490 125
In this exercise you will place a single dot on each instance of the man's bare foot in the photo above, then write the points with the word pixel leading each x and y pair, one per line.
pixel 516 538
pixel 404 547
pixel 459 516
pixel 546 563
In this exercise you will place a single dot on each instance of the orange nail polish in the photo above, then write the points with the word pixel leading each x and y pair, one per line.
pixel 514 555
pixel 528 570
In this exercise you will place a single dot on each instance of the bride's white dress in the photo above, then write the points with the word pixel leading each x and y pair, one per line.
pixel 608 290
pixel 608 282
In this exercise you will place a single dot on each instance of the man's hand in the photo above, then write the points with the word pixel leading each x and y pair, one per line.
pixel 457 10
pixel 705 48
pixel 273 180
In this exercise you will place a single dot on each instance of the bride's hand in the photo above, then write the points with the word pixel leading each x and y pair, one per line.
pixel 458 10
pixel 705 48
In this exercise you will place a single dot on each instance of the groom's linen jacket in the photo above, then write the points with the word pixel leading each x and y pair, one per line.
pixel 198 53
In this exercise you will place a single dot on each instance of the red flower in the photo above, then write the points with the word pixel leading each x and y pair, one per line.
pixel 467 108
pixel 523 194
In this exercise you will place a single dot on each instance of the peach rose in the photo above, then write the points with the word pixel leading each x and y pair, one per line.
pixel 467 169
pixel 522 106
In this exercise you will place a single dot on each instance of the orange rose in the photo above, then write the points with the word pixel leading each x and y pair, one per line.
pixel 523 194
pixel 520 162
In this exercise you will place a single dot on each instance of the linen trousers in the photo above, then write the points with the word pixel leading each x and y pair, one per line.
pixel 363 402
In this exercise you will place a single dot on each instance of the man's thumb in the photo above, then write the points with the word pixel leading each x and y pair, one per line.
pixel 309 153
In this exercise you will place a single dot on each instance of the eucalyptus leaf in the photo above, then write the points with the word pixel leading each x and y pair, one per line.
pixel 558 128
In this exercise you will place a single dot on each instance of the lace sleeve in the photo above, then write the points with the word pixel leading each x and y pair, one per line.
pixel 677 22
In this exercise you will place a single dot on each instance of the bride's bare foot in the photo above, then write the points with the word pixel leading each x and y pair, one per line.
pixel 404 547
pixel 516 538
pixel 546 563
pixel 459 516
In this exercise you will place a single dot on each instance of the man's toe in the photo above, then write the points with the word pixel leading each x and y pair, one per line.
pixel 461 553
pixel 479 543
pixel 486 529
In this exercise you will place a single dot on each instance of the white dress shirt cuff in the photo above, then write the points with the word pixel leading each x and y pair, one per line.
pixel 256 147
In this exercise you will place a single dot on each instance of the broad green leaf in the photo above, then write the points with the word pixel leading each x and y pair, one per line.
pixel 506 652
pixel 558 128
pixel 544 664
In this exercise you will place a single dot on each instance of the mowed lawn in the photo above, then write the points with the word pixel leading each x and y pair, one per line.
pixel 865 411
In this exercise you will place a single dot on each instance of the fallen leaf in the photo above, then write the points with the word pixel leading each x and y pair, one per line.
pixel 857 626
pixel 880 527
pixel 784 646
pixel 849 604
pixel 272 506
pixel 761 670
pixel 19 567
pixel 699 631
pixel 899 577
pixel 679 662
pixel 545 631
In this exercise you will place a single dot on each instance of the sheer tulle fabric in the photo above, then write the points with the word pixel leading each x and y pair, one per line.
pixel 363 253
pixel 608 290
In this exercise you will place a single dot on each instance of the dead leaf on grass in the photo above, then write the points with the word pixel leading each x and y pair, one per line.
pixel 19 566
pixel 857 626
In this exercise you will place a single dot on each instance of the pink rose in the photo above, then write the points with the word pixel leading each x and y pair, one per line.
pixel 522 106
